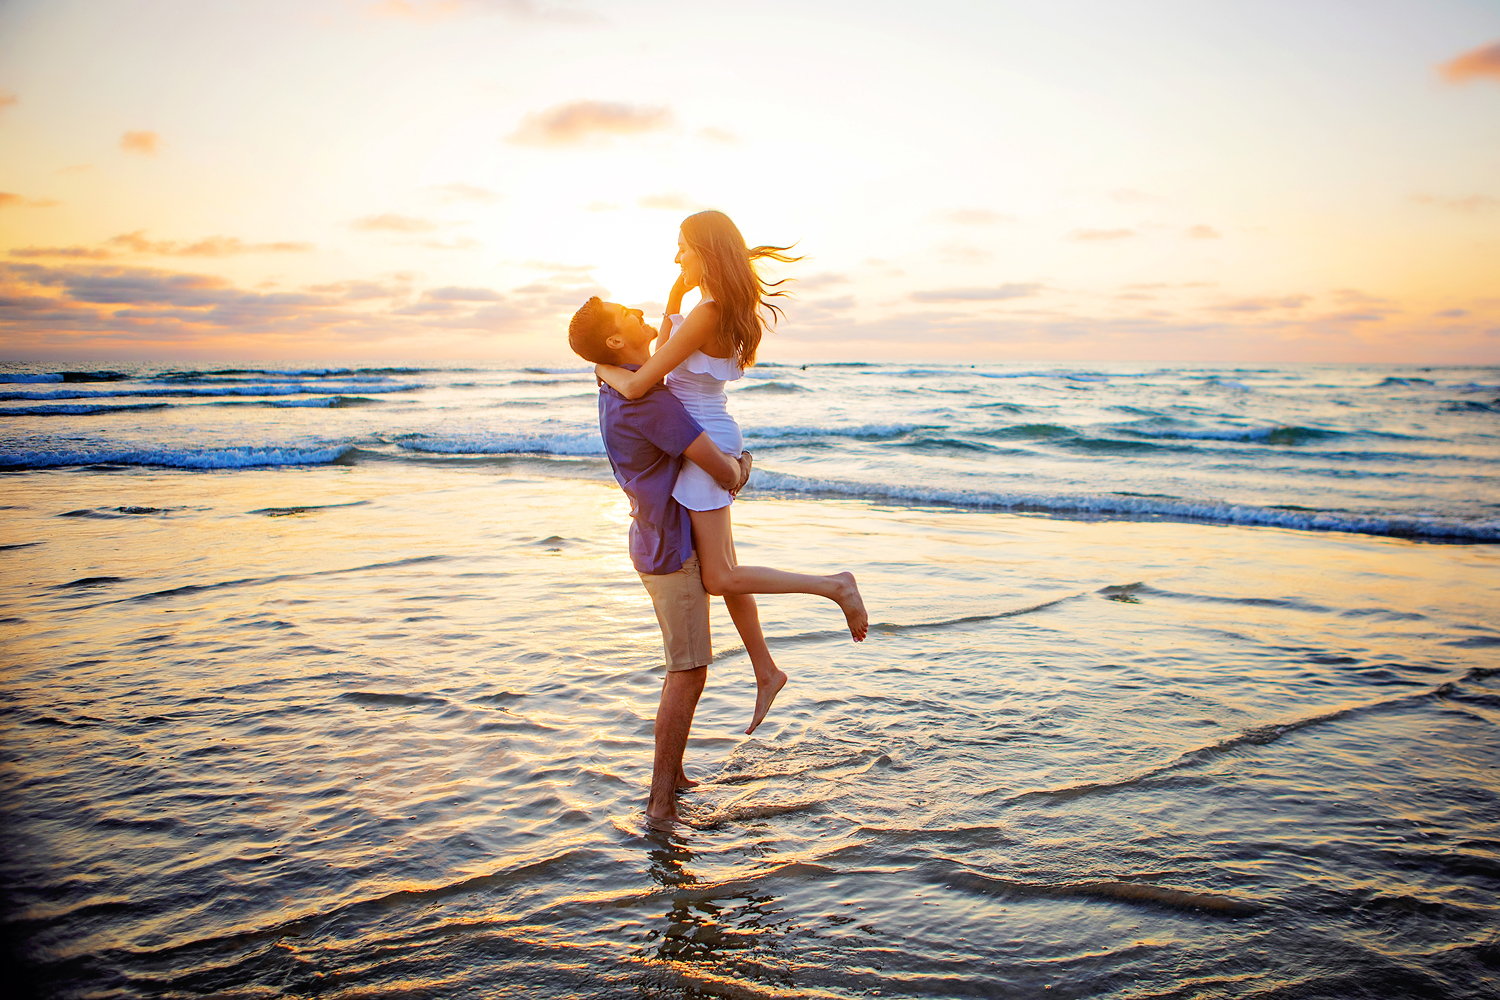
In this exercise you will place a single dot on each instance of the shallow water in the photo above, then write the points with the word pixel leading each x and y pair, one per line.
pixel 383 730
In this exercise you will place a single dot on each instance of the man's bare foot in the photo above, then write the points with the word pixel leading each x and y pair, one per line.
pixel 662 816
pixel 764 695
pixel 683 781
pixel 666 822
pixel 854 606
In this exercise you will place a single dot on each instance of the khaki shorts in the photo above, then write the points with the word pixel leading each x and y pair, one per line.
pixel 682 611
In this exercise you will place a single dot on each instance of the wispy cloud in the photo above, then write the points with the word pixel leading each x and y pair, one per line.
pixel 581 121
pixel 145 143
pixel 1470 203
pixel 1201 232
pixel 210 246
pixel 1013 290
pixel 459 191
pixel 1471 65
pixel 453 293
pixel 822 280
pixel 963 253
pixel 461 243
pixel 974 217
pixel 11 200
pixel 718 135
pixel 1100 235
pixel 438 10
pixel 670 201
pixel 390 222
pixel 136 243
pixel 1263 304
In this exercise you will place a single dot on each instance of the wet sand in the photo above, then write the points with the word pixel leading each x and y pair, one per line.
pixel 378 731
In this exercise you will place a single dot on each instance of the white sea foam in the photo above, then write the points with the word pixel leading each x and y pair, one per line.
pixel 217 458
pixel 152 392
pixel 857 431
pixel 77 409
pixel 581 444
pixel 1171 508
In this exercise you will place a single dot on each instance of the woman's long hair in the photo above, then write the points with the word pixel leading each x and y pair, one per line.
pixel 729 274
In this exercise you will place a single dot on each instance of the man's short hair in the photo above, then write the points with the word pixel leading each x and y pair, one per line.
pixel 591 326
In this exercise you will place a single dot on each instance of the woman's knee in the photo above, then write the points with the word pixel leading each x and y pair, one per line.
pixel 715 582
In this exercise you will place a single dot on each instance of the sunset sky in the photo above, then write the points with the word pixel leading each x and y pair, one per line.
pixel 343 180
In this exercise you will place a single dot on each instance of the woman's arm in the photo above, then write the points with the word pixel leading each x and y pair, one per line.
pixel 674 305
pixel 701 328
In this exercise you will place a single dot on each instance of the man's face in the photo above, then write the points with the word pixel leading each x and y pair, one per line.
pixel 630 325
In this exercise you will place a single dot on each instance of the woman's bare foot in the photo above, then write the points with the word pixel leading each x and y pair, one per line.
pixel 854 606
pixel 765 693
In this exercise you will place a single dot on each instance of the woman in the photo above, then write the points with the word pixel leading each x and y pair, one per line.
pixel 696 356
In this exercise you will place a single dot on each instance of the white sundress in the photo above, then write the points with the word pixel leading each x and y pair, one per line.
pixel 699 384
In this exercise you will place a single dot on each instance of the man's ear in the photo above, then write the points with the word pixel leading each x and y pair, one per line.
pixel 614 342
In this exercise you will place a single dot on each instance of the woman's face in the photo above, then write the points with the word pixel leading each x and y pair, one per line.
pixel 691 264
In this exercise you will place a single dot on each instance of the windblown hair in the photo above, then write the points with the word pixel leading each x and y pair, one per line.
pixel 729 274
pixel 590 327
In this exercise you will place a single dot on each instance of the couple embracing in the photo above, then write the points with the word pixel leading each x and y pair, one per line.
pixel 677 454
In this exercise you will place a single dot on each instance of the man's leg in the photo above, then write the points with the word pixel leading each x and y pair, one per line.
pixel 674 718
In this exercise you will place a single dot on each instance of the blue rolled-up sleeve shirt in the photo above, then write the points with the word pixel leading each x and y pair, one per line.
pixel 645 439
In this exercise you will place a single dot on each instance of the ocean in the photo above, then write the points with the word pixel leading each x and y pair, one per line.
pixel 1181 682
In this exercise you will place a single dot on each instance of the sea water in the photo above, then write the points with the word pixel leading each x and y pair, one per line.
pixel 338 682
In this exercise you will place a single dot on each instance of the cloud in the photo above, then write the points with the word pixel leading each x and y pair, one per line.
pixel 136 243
pixel 547 265
pixel 974 217
pixel 822 280
pixel 1452 313
pixel 209 246
pixel 85 308
pixel 1202 232
pixel 8 100
pixel 428 11
pixel 670 201
pixel 462 243
pixel 1013 290
pixel 390 222
pixel 1470 203
pixel 1476 63
pixel 1263 304
pixel 453 293
pixel 580 121
pixel 1099 235
pixel 718 135
pixel 464 192
pixel 963 253
pixel 145 143
pixel 362 291
pixel 82 253
pixel 10 200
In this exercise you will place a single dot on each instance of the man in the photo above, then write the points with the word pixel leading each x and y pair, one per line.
pixel 646 440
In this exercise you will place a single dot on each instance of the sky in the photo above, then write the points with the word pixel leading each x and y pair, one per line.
pixel 1217 181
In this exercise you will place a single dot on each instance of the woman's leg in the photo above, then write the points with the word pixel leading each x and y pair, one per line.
pixel 722 575
pixel 768 679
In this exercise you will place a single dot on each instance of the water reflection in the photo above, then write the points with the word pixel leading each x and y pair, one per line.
pixel 706 923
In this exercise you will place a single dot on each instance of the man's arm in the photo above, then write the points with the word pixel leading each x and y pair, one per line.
pixel 727 471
